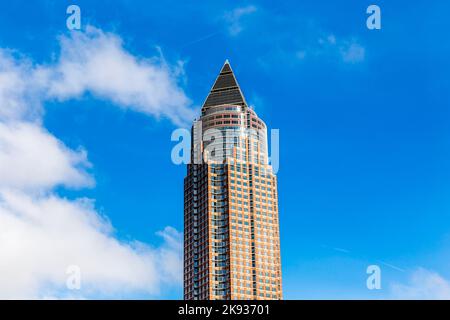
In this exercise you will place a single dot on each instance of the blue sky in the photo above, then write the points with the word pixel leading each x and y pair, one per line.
pixel 363 116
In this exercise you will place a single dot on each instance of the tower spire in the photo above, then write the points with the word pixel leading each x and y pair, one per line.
pixel 225 90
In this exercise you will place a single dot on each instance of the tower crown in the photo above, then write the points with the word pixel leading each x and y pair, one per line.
pixel 225 90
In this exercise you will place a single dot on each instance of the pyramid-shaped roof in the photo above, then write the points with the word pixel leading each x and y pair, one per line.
pixel 225 90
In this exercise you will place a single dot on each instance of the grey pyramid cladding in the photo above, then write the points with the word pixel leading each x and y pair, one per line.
pixel 225 90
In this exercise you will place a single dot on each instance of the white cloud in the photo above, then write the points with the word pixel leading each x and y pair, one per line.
pixel 40 237
pixel 347 51
pixel 96 62
pixel 12 87
pixel 31 158
pixel 331 39
pixel 352 52
pixel 234 18
pixel 41 234
pixel 93 62
pixel 301 54
pixel 423 284
pixel 21 86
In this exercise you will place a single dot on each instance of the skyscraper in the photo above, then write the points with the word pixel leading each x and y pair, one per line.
pixel 231 228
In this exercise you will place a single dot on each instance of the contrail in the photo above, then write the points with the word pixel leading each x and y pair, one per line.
pixel 200 39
